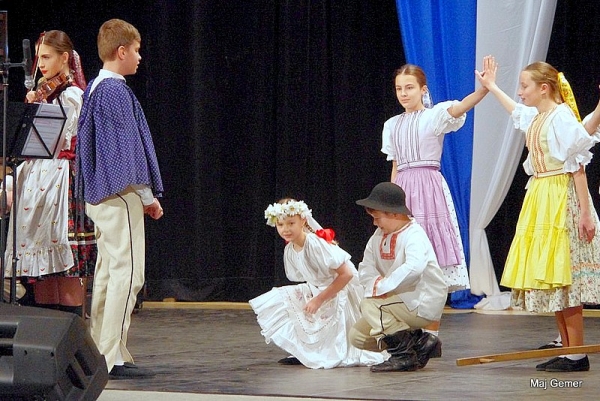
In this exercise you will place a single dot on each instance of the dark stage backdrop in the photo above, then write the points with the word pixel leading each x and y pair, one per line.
pixel 253 100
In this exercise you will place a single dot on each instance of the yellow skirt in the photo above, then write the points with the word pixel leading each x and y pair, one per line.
pixel 539 256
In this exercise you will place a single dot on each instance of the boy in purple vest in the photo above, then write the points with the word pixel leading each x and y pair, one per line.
pixel 119 179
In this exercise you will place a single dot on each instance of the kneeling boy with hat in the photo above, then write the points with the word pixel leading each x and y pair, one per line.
pixel 404 285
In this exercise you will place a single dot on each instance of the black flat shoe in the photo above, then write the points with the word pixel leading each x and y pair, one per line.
pixel 290 360
pixel 569 365
pixel 129 371
pixel 542 366
pixel 551 345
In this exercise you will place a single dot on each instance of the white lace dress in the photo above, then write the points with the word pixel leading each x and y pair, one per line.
pixel 319 340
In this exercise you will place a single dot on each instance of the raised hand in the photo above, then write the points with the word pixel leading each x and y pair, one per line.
pixel 487 76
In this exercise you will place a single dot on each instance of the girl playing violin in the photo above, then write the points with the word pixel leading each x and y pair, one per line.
pixel 56 247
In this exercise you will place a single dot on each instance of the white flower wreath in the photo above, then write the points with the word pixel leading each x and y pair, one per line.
pixel 278 211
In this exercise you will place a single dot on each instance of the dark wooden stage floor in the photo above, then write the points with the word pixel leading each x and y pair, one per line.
pixel 220 351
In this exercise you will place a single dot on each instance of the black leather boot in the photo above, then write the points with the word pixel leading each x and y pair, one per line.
pixel 403 357
pixel 426 346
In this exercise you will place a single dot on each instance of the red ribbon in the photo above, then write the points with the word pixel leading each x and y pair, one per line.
pixel 327 234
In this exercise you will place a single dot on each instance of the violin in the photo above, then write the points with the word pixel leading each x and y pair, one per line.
pixel 49 89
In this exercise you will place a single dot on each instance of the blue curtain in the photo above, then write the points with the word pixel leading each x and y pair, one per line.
pixel 439 36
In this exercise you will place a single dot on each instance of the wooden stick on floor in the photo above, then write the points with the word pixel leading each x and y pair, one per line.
pixel 531 354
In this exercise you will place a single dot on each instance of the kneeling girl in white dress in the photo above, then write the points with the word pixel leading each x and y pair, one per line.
pixel 311 320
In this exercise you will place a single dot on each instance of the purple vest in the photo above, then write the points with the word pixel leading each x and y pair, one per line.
pixel 114 146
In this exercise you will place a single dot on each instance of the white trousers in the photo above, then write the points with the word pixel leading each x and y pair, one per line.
pixel 119 276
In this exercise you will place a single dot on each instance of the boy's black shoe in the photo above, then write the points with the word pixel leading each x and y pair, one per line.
pixel 129 371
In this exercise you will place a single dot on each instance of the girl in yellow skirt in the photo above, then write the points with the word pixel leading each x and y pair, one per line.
pixel 553 264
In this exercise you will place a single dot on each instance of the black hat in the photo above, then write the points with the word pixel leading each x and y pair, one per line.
pixel 387 197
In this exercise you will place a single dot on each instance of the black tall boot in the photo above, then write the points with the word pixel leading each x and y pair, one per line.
pixel 403 357
pixel 426 346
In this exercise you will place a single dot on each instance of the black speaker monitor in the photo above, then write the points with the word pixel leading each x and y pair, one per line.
pixel 49 355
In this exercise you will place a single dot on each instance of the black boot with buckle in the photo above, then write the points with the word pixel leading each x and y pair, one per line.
pixel 426 346
pixel 403 357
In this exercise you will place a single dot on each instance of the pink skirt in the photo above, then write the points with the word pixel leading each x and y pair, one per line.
pixel 427 200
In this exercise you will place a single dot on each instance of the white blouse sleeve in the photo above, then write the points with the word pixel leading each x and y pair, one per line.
pixel 386 138
pixel 9 182
pixel 73 98
pixel 327 257
pixel 368 274
pixel 291 271
pixel 523 116
pixel 568 140
pixel 597 131
pixel 443 122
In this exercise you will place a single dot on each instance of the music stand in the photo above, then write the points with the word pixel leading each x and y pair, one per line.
pixel 41 132
pixel 39 135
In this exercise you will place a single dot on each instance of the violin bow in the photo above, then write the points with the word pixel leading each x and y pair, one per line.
pixel 36 60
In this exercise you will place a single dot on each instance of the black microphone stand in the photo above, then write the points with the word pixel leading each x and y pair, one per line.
pixel 6 66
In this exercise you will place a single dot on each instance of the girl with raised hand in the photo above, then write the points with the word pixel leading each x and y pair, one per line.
pixel 553 264
pixel 413 141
